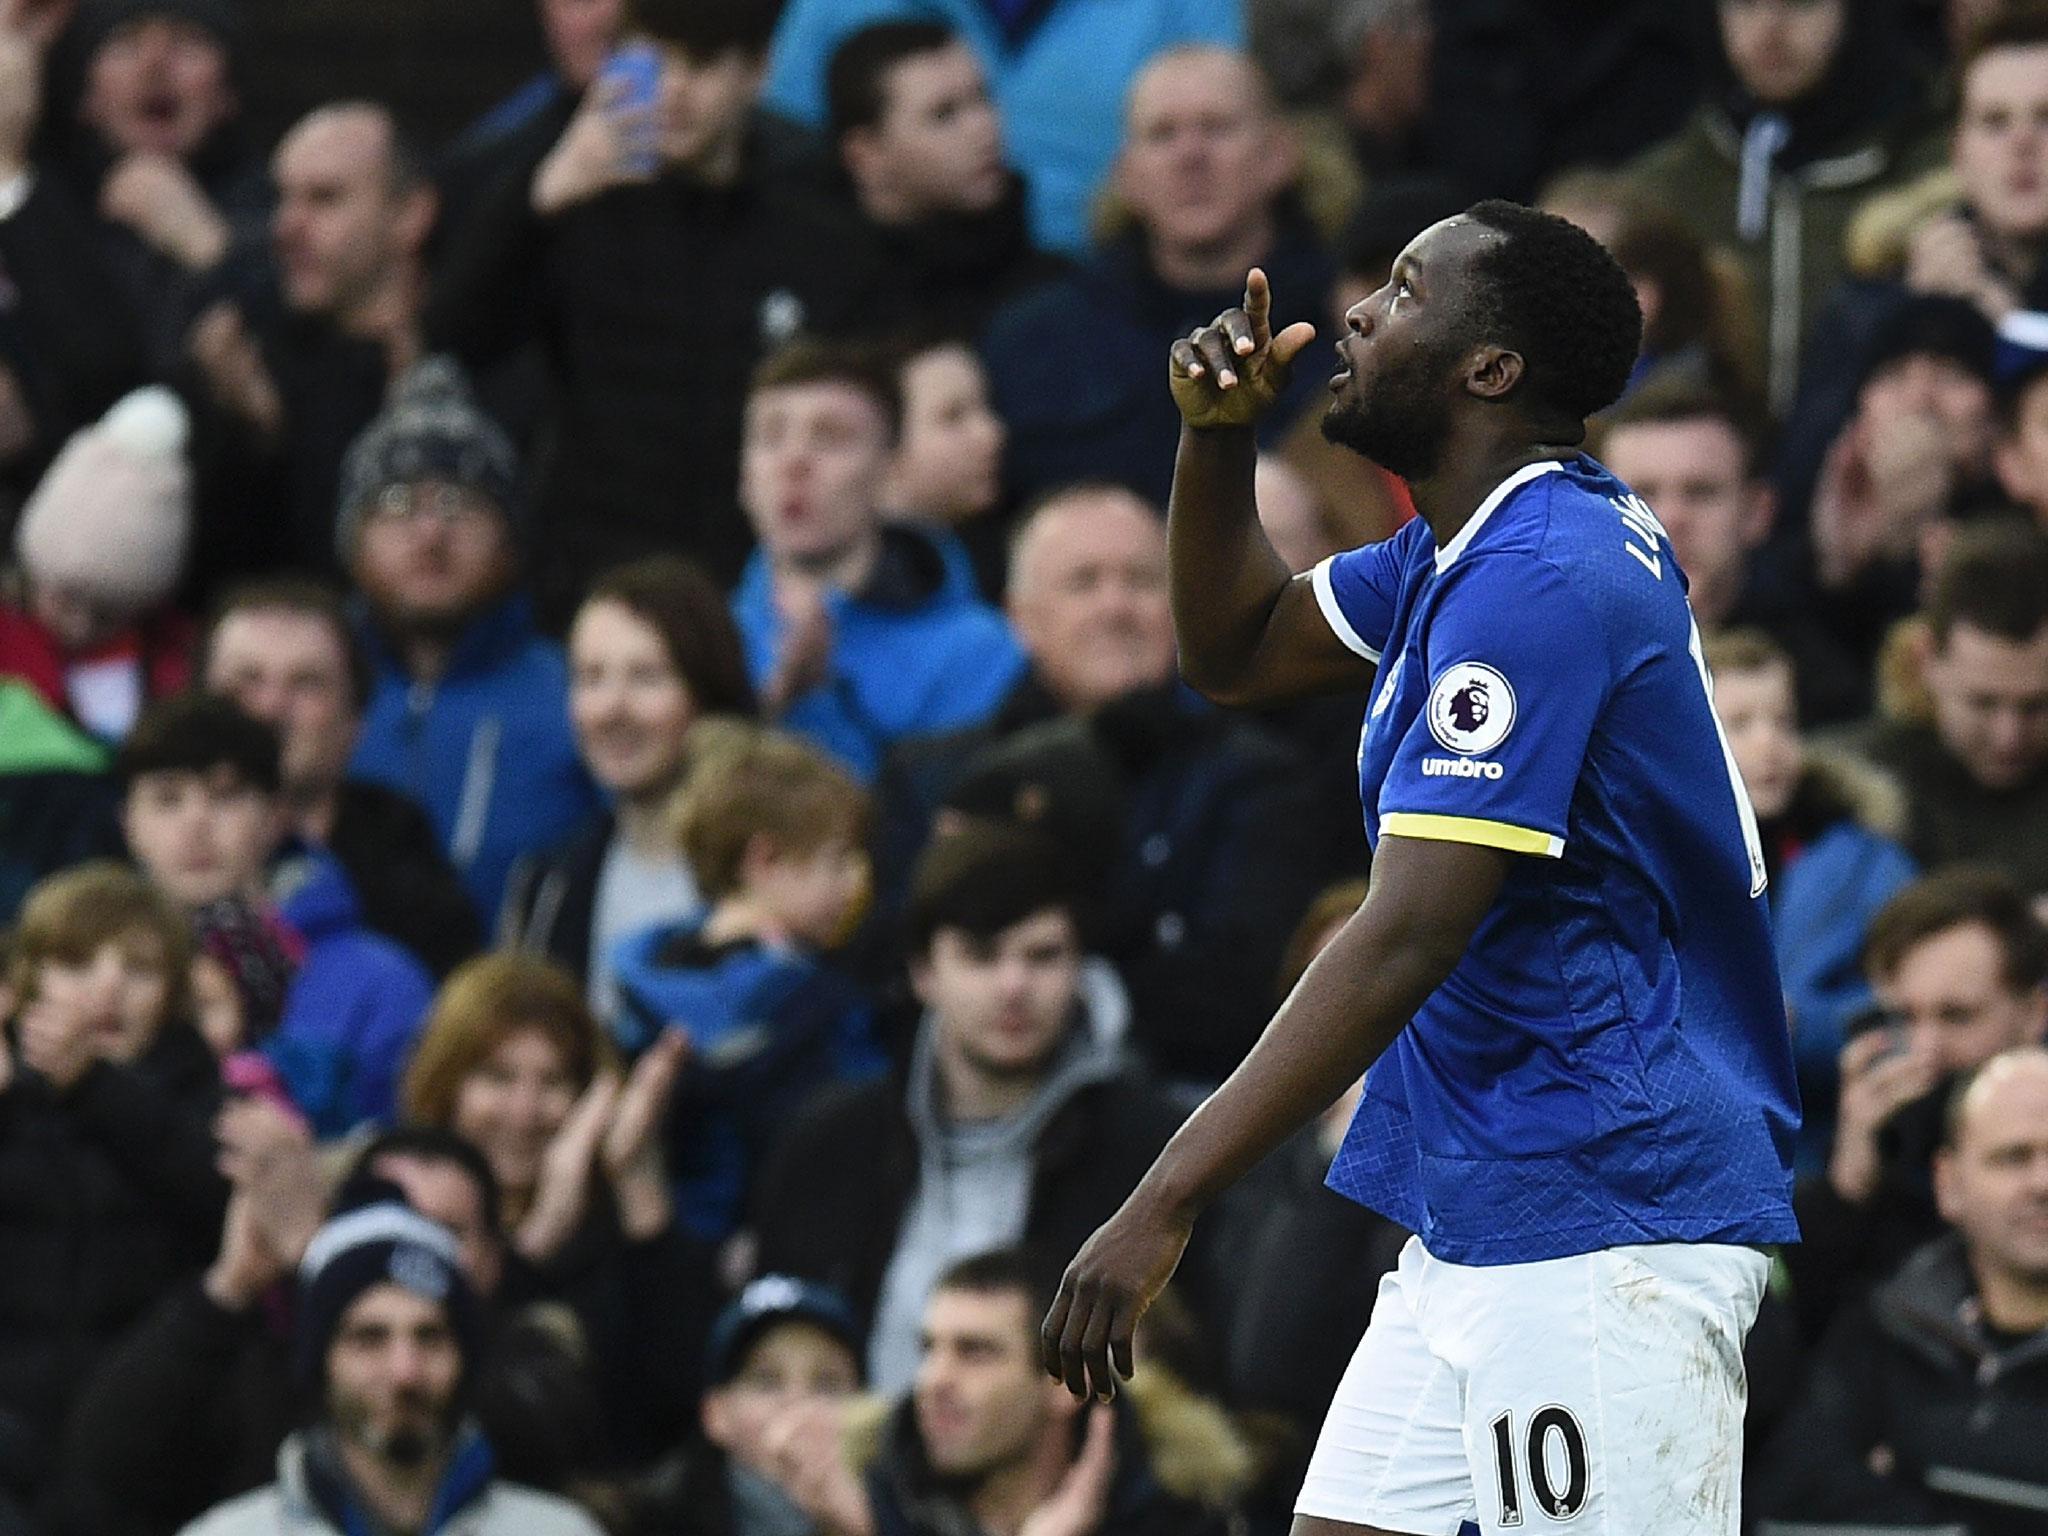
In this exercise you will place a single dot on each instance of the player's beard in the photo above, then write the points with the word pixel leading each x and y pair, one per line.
pixel 1399 420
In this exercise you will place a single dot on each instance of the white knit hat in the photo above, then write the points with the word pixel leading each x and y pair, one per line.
pixel 112 516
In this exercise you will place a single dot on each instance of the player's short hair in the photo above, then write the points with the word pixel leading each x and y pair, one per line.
pixel 811 360
pixel 1023 1272
pixel 1738 652
pixel 676 599
pixel 437 1144
pixel 302 597
pixel 1672 400
pixel 1955 898
pixel 1994 579
pixel 987 877
pixel 857 79
pixel 197 733
pixel 708 29
pixel 746 781
pixel 1554 294
pixel 2012 25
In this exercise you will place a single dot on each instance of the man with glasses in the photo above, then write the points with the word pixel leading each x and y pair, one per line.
pixel 468 708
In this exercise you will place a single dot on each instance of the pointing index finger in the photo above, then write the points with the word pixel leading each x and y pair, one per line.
pixel 1258 307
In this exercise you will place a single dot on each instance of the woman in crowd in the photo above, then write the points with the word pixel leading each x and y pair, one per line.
pixel 653 650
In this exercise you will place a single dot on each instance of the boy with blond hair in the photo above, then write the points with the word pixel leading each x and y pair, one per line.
pixel 775 832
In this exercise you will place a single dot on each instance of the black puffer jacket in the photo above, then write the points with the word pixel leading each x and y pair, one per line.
pixel 108 1195
pixel 1917 1413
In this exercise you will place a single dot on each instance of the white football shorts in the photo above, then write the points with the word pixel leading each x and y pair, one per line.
pixel 1596 1395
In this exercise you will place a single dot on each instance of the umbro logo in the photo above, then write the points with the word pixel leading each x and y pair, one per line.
pixel 1459 768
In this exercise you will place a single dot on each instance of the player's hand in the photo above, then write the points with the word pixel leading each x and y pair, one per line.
pixel 1228 373
pixel 1116 1276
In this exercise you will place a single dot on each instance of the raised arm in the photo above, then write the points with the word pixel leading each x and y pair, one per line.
pixel 1250 631
pixel 1427 899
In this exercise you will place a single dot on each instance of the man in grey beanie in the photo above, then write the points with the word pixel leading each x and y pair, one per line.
pixel 468 709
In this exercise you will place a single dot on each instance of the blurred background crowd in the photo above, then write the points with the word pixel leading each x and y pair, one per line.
pixel 603 861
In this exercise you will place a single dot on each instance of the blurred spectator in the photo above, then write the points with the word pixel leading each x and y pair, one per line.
pixel 858 633
pixel 1960 967
pixel 107 1186
pixel 916 135
pixel 1829 831
pixel 652 652
pixel 1059 71
pixel 1563 85
pixel 1913 459
pixel 1690 454
pixel 296 364
pixel 334 1005
pixel 285 650
pixel 1930 1403
pixel 948 469
pixel 388 1334
pixel 1020 1119
pixel 516 133
pixel 102 542
pixel 985 1441
pixel 1975 230
pixel 57 805
pixel 1976 779
pixel 1284 1352
pixel 781 1371
pixel 1812 106
pixel 1205 177
pixel 1204 831
pixel 1292 512
pixel 70 342
pixel 774 831
pixel 190 1407
pixel 659 250
pixel 1698 323
pixel 2020 455
pixel 512 1061
pixel 468 715
pixel 160 149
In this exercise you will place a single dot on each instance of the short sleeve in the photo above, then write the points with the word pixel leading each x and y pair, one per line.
pixel 1357 590
pixel 1518 673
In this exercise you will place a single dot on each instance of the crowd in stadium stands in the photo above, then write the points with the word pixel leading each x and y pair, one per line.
pixel 604 864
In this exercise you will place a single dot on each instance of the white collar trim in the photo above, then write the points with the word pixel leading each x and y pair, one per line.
pixel 1488 507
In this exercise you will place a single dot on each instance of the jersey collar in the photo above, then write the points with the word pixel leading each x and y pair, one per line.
pixel 1488 507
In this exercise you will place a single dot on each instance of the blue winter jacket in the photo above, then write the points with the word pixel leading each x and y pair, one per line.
pixel 486 749
pixel 1821 906
pixel 1060 71
pixel 767 1027
pixel 352 1011
pixel 917 653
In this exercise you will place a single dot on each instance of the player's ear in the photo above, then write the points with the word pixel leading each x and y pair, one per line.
pixel 1494 372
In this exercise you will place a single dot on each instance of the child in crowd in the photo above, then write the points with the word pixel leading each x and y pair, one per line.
pixel 774 831
pixel 1828 827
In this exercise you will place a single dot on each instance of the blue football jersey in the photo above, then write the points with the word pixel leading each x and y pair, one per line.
pixel 1609 1063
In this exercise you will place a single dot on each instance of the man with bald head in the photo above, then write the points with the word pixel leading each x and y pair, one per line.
pixel 1201 191
pixel 1217 847
pixel 301 358
pixel 1929 1403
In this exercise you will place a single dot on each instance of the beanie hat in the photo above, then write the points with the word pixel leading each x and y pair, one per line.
pixel 431 430
pixel 111 516
pixel 377 1239
pixel 1933 325
pixel 770 1300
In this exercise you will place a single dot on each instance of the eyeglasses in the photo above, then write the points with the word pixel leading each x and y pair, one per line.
pixel 452 506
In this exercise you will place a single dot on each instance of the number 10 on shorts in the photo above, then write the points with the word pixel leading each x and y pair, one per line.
pixel 1551 1458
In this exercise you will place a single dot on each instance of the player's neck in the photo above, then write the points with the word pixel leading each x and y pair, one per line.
pixel 1469 473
